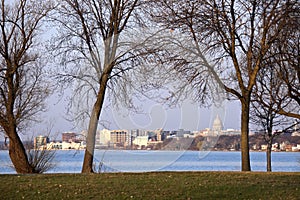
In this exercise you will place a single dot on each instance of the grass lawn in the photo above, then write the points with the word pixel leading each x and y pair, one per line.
pixel 157 185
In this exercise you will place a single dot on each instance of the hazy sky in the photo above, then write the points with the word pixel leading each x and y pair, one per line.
pixel 188 116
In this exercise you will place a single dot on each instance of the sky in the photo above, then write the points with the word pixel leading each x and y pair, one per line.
pixel 188 116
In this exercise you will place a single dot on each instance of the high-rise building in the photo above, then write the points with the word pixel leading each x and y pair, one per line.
pixel 119 137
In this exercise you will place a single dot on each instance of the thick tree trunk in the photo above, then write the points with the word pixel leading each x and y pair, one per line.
pixel 245 136
pixel 269 149
pixel 87 166
pixel 18 154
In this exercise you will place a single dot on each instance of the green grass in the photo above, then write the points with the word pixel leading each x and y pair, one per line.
pixel 160 185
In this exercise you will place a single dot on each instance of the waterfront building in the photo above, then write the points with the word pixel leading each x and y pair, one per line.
pixel 158 133
pixel 264 147
pixel 64 145
pixel 141 141
pixel 40 142
pixel 230 132
pixel 189 135
pixel 103 138
pixel 296 133
pixel 68 137
pixel 138 132
pixel 295 148
pixel 119 138
pixel 182 133
pixel 134 134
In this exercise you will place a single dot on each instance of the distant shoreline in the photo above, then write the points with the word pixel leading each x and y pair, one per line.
pixel 262 151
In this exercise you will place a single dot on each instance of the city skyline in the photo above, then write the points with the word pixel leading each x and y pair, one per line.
pixel 189 117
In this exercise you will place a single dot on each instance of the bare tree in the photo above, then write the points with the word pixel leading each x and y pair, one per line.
pixel 277 87
pixel 277 90
pixel 288 58
pixel 95 54
pixel 231 39
pixel 269 97
pixel 23 88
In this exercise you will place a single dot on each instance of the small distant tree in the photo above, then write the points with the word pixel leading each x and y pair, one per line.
pixel 23 88
pixel 268 93
pixel 277 88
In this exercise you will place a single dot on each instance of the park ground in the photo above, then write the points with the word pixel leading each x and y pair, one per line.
pixel 155 185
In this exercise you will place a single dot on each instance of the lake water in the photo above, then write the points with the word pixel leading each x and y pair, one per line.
pixel 145 161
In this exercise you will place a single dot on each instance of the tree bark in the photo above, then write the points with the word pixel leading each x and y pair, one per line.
pixel 87 166
pixel 17 153
pixel 269 149
pixel 245 135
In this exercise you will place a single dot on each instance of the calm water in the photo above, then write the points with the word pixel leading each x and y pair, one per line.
pixel 143 161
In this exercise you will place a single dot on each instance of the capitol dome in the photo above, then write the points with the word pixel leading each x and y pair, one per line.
pixel 217 125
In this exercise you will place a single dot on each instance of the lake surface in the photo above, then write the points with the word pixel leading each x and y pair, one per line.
pixel 144 161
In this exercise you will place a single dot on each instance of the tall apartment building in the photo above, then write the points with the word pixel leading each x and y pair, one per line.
pixel 119 137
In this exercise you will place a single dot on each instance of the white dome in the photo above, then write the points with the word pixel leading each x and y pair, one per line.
pixel 217 125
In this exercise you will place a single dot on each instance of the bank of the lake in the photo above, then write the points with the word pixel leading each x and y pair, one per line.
pixel 155 185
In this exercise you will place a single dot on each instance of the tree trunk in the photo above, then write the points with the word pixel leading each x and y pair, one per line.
pixel 17 154
pixel 245 135
pixel 87 166
pixel 269 149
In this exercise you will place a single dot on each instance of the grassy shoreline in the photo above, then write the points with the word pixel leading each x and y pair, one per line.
pixel 154 185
